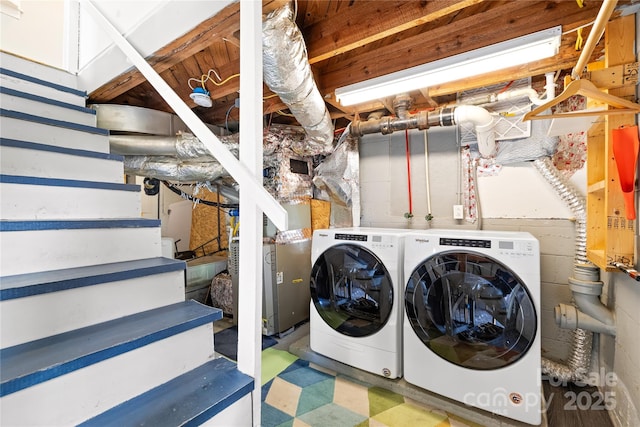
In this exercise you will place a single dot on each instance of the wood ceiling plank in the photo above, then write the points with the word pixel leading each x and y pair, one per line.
pixel 510 20
pixel 361 24
pixel 204 60
pixel 191 69
pixel 224 23
pixel 220 53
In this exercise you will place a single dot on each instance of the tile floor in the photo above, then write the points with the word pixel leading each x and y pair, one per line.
pixel 305 394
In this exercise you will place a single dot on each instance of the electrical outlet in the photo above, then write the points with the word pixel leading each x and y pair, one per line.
pixel 458 212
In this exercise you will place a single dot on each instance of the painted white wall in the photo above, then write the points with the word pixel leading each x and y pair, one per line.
pixel 517 192
pixel 38 34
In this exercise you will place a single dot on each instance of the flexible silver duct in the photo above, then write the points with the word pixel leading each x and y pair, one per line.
pixel 579 360
pixel 574 201
pixel 173 169
pixel 288 74
pixel 577 364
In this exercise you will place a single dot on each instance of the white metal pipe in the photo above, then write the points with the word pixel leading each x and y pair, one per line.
pixel 550 86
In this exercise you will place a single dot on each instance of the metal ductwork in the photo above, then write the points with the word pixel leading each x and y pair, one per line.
pixel 448 116
pixel 288 74
pixel 183 146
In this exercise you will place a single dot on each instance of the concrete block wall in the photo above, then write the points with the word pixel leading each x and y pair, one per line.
pixel 620 357
pixel 384 200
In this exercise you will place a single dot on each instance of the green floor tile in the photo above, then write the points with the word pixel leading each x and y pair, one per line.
pixel 381 399
pixel 315 396
pixel 332 415
pixel 409 415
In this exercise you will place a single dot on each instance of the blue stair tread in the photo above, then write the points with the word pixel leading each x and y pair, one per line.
pixel 16 143
pixel 28 364
pixel 187 400
pixel 71 183
pixel 42 99
pixel 77 224
pixel 24 285
pixel 53 122
pixel 36 80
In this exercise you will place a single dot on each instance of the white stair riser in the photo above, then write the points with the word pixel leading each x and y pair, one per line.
pixel 52 135
pixel 39 316
pixel 16 83
pixel 35 251
pixel 48 164
pixel 30 202
pixel 40 71
pixel 96 388
pixel 41 109
pixel 238 414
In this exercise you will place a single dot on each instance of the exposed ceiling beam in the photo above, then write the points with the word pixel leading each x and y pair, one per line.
pixel 501 23
pixel 361 24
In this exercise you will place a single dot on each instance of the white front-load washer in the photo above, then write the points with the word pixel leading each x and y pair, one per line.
pixel 471 321
pixel 356 298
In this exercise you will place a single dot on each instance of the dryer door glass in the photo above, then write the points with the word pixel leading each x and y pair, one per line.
pixel 471 310
pixel 352 290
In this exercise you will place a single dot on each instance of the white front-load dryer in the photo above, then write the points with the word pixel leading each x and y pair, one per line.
pixel 471 324
pixel 356 298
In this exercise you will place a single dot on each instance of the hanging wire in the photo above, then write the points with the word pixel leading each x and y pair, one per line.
pixel 226 117
pixel 207 77
pixel 190 197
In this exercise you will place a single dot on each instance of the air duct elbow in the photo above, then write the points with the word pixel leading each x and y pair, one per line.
pixel 483 122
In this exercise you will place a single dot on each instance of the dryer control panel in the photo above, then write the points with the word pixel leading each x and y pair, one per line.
pixel 351 237
pixel 513 248
pixel 468 243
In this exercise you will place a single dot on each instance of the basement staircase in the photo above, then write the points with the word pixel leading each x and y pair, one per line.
pixel 94 326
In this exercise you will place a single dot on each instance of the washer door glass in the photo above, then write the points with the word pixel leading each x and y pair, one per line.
pixel 352 290
pixel 471 310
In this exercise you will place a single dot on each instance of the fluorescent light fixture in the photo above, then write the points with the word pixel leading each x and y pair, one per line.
pixel 510 53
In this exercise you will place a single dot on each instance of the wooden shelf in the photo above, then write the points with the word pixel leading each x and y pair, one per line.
pixel 598 186
pixel 610 236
